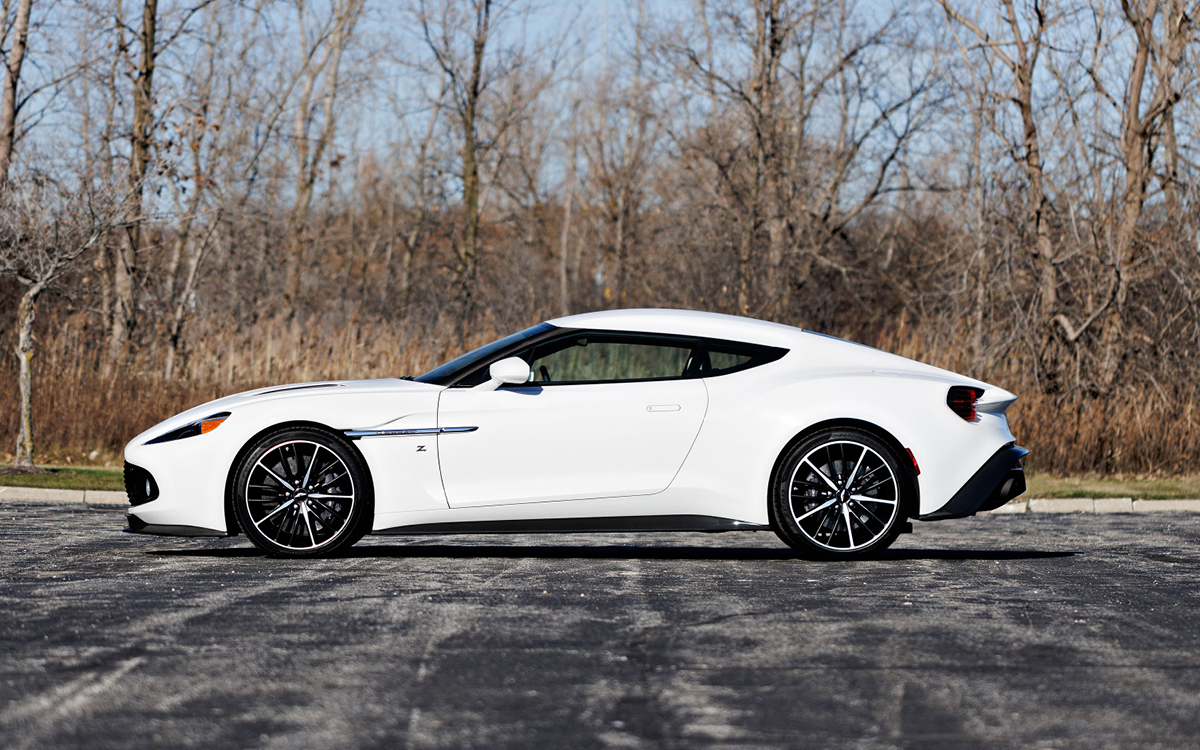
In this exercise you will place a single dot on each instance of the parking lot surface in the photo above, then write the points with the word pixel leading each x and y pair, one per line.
pixel 992 632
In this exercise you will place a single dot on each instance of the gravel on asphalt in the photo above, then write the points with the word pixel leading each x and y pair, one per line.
pixel 1000 631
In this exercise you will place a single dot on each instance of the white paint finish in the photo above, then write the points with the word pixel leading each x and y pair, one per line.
pixel 754 414
pixel 607 443
pixel 686 323
pixel 404 468
pixel 405 477
pixel 668 502
pixel 191 473
pixel 566 442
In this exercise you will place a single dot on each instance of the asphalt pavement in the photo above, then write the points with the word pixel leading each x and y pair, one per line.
pixel 1004 631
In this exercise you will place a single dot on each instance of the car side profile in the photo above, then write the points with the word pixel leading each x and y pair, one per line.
pixel 623 420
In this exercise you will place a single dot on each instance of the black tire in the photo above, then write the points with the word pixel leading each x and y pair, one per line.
pixel 840 494
pixel 303 492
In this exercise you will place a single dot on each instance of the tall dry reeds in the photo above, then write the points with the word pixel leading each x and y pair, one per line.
pixel 1147 430
pixel 78 410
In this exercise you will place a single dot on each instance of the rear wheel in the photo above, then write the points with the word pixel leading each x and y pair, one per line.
pixel 839 494
pixel 303 493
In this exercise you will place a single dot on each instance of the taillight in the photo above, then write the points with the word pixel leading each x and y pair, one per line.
pixel 961 400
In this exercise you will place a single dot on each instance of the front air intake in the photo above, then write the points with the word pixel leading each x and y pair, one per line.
pixel 139 485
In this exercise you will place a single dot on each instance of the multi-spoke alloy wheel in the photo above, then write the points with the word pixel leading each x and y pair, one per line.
pixel 839 494
pixel 302 493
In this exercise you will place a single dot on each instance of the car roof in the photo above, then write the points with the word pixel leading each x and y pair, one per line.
pixel 688 323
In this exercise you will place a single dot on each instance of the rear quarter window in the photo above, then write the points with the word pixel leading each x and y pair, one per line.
pixel 714 358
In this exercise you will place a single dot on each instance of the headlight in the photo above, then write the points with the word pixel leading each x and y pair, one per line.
pixel 199 427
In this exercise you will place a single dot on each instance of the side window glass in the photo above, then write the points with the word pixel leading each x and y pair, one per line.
pixel 593 358
pixel 721 361
pixel 713 357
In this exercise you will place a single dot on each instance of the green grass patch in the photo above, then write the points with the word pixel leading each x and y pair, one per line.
pixel 68 478
pixel 1171 488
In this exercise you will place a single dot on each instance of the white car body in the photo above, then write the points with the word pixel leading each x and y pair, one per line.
pixel 697 448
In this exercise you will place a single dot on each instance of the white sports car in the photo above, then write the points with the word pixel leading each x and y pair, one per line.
pixel 627 420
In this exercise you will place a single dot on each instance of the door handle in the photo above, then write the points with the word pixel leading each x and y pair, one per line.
pixel 663 407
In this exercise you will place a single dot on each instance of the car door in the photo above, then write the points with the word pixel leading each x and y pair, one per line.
pixel 604 415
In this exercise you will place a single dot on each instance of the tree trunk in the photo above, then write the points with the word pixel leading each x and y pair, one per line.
pixel 12 77
pixel 770 150
pixel 1138 132
pixel 1170 179
pixel 464 271
pixel 26 311
pixel 564 296
pixel 613 298
pixel 1132 200
pixel 175 329
pixel 745 258
pixel 1039 212
pixel 141 142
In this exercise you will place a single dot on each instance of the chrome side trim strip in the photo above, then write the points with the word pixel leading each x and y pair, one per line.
pixel 355 434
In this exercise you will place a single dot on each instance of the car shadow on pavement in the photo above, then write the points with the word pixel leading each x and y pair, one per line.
pixel 616 552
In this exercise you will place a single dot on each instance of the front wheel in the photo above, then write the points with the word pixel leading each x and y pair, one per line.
pixel 302 493
pixel 839 494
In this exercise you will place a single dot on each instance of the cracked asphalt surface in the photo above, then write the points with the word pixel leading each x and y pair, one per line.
pixel 999 631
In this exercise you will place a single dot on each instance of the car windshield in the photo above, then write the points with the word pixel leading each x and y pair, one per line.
pixel 470 359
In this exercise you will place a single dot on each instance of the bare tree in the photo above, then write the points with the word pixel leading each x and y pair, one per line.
pixel 44 230
pixel 621 137
pixel 418 190
pixel 214 105
pixel 1155 82
pixel 488 84
pixel 143 119
pixel 809 127
pixel 141 137
pixel 1016 42
pixel 14 57
pixel 564 260
pixel 315 120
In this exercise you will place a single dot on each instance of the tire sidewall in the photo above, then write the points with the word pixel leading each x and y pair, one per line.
pixel 783 521
pixel 361 514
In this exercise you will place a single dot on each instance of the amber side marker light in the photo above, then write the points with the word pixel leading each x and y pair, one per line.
pixel 209 425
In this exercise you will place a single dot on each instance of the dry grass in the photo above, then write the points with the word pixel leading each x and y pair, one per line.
pixel 84 419
pixel 1138 488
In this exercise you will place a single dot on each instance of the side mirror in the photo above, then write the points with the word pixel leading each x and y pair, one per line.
pixel 510 371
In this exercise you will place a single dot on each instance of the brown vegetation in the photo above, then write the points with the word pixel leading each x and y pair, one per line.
pixel 347 190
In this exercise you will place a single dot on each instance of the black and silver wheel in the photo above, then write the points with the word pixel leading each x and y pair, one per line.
pixel 840 494
pixel 302 493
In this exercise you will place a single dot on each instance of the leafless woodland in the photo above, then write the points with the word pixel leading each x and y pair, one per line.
pixel 205 196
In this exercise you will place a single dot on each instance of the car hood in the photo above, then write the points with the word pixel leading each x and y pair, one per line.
pixel 292 391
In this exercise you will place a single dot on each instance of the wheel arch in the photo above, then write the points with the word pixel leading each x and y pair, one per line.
pixel 232 526
pixel 912 508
